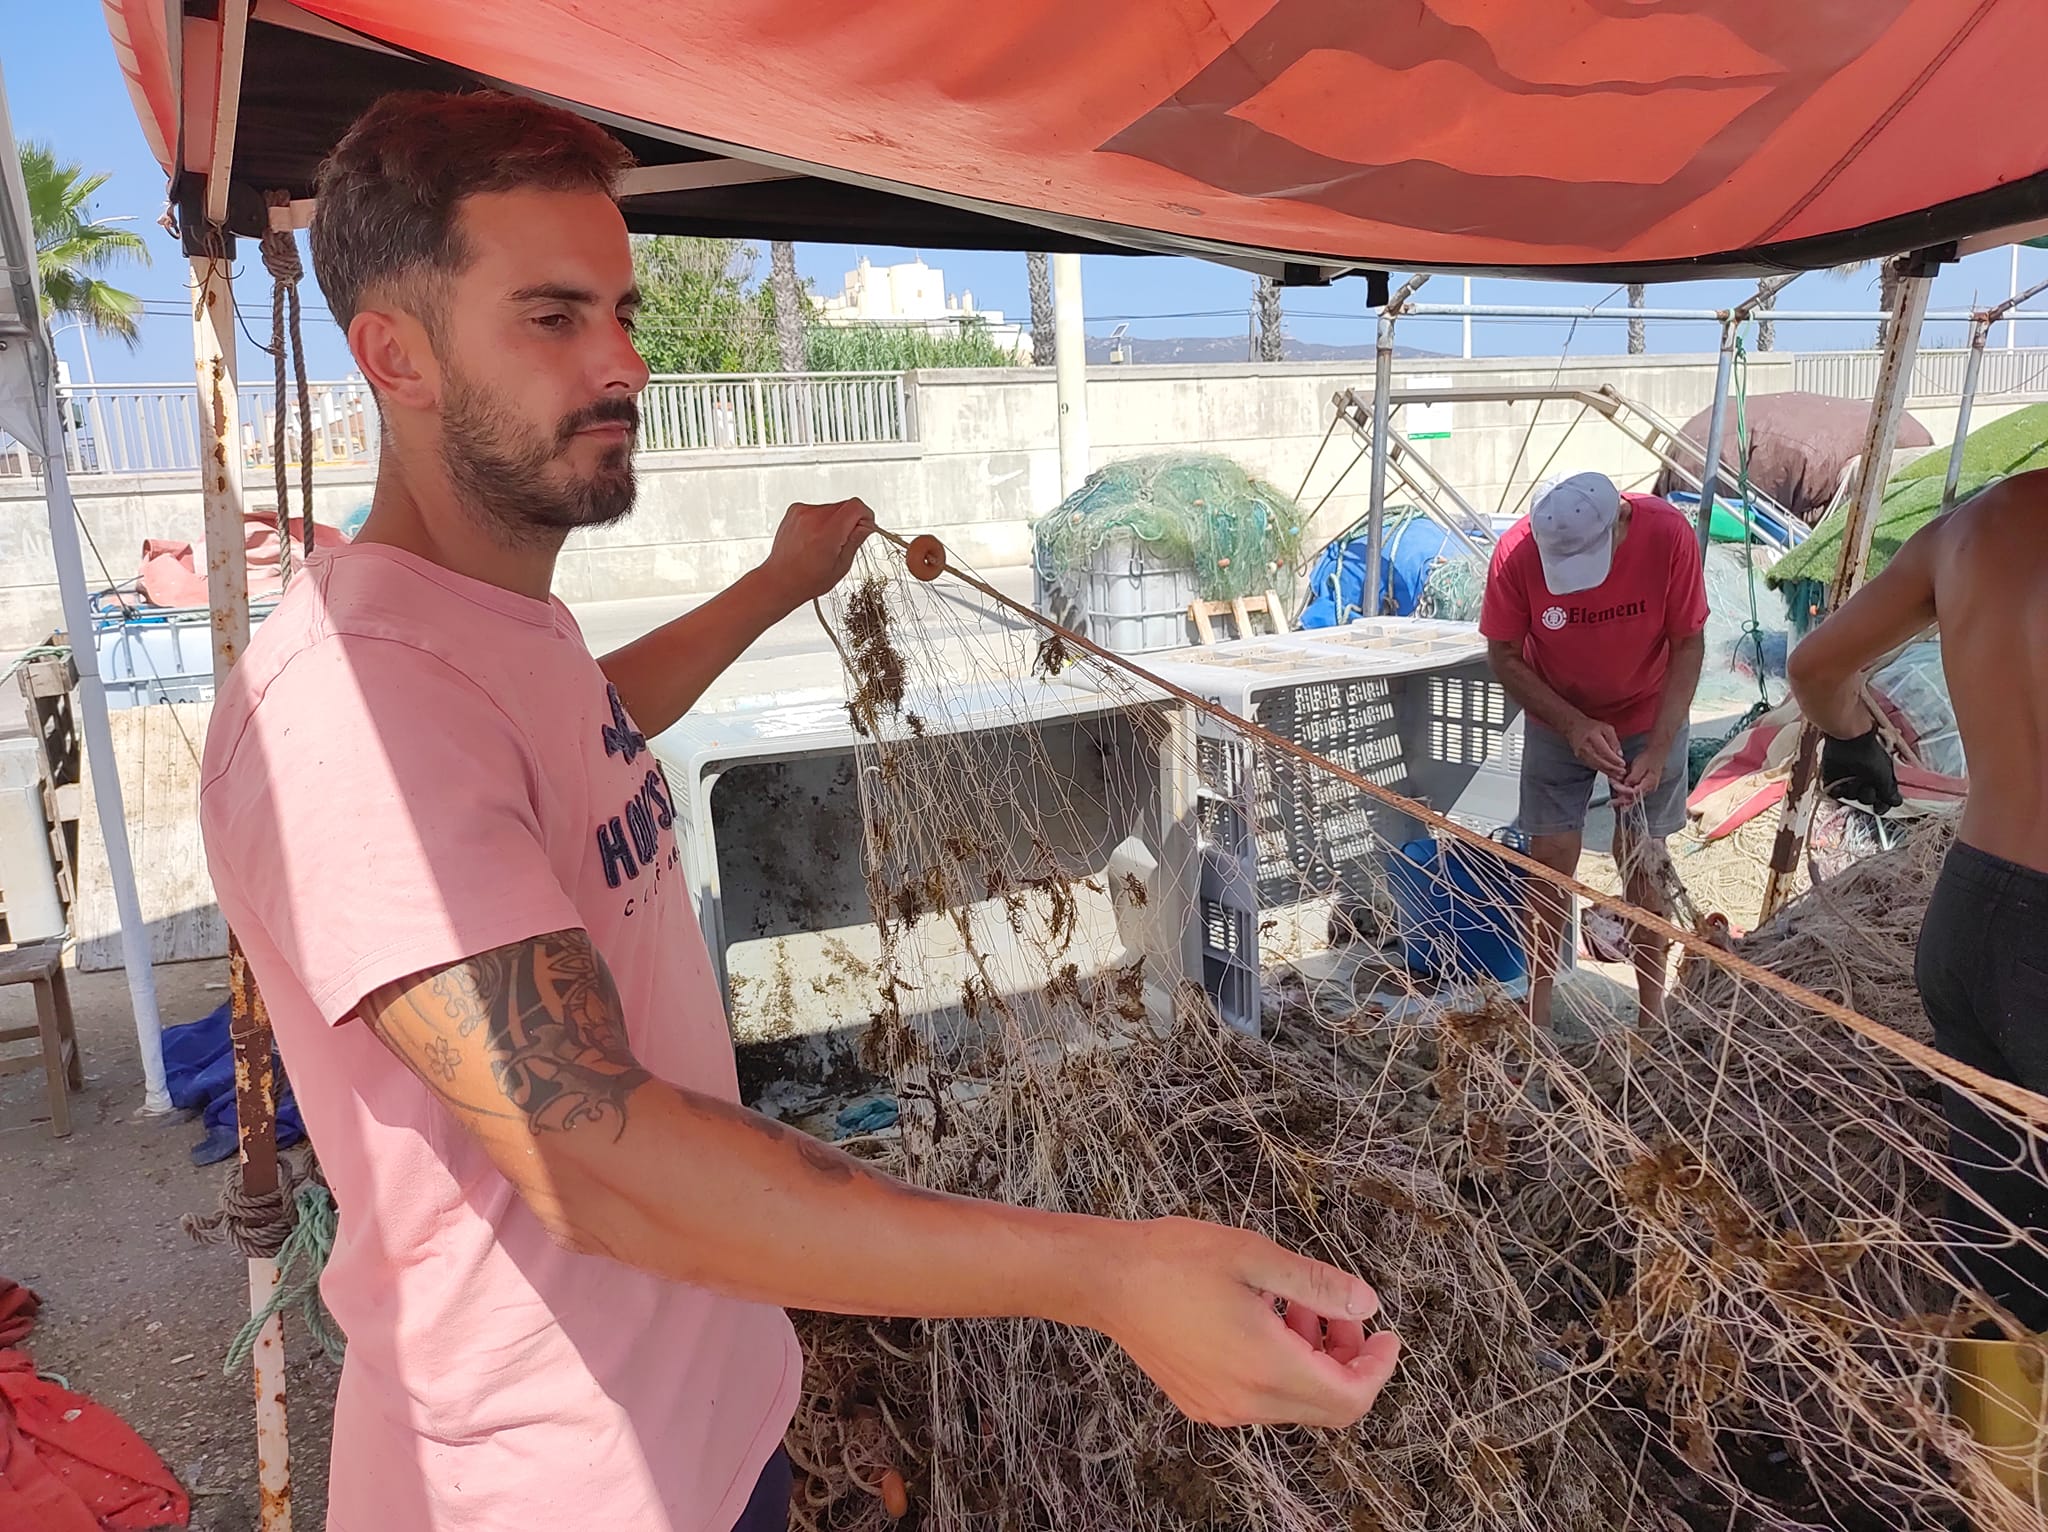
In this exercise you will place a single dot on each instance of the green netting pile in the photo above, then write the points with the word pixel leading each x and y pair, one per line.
pixel 1200 512
pixel 2011 444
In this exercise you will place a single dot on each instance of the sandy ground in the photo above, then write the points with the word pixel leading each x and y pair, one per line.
pixel 134 1314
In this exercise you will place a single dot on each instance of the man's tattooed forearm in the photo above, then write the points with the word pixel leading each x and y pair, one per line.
pixel 545 1013
pixel 833 1164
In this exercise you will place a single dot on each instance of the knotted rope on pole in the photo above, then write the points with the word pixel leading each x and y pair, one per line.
pixel 281 260
pixel 296 1226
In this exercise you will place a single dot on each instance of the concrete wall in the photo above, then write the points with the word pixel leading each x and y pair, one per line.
pixel 985 463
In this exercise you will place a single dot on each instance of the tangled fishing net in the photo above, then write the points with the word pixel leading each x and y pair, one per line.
pixel 1197 512
pixel 1670 1277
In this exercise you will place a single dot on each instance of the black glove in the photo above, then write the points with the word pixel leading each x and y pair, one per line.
pixel 1859 770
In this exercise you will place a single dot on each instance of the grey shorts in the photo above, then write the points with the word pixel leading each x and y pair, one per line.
pixel 1557 787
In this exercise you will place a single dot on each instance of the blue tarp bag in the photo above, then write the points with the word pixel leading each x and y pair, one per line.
pixel 1414 545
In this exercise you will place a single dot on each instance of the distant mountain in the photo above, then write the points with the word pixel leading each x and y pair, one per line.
pixel 1154 350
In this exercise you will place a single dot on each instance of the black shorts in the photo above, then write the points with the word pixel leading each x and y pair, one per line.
pixel 1982 972
pixel 768 1508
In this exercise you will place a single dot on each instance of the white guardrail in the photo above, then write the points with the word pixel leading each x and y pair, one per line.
pixel 1936 374
pixel 124 428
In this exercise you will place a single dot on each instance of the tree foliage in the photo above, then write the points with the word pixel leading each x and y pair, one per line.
pixel 705 308
pixel 73 247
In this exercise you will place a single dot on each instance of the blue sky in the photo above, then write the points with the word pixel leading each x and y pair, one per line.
pixel 64 87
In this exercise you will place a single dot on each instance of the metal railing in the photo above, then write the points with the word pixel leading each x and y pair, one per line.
pixel 155 428
pixel 1936 374
pixel 742 410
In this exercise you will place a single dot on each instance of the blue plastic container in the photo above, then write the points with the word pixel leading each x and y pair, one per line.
pixel 1460 911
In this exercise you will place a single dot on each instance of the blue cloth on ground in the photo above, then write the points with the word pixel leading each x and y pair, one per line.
pixel 1412 547
pixel 199 1069
pixel 869 1116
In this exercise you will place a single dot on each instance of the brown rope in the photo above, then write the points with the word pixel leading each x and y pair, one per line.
pixel 255 1224
pixel 2023 1103
pixel 281 260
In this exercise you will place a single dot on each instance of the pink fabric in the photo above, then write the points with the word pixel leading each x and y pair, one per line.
pixel 170 576
pixel 407 768
pixel 1605 650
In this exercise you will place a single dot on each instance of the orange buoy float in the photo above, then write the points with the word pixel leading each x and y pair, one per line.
pixel 925 557
pixel 895 1493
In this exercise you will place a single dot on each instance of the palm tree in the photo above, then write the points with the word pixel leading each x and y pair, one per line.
pixel 1272 344
pixel 1038 274
pixel 1638 330
pixel 788 297
pixel 1767 291
pixel 72 246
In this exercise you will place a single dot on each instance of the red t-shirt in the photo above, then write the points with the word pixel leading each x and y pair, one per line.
pixel 1604 650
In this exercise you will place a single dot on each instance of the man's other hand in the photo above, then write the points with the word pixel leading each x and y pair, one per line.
pixel 1643 777
pixel 815 547
pixel 1239 1332
pixel 1859 770
pixel 1598 746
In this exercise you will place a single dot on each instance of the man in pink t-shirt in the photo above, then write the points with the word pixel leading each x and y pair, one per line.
pixel 1595 610
pixel 434 821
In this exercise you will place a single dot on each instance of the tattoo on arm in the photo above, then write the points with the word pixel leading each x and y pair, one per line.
pixel 545 1014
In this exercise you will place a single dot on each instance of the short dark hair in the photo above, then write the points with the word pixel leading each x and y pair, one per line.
pixel 389 193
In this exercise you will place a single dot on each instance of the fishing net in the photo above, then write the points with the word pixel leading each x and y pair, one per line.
pixel 1198 512
pixel 1676 1274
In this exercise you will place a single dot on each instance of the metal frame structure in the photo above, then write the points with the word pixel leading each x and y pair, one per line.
pixel 1729 319
pixel 1895 375
pixel 1365 413
pixel 28 402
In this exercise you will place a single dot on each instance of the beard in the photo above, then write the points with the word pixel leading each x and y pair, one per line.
pixel 517 480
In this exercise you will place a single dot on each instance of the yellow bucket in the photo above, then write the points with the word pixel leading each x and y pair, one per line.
pixel 1995 1391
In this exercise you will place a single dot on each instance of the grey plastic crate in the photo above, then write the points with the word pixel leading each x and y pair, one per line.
pixel 165 655
pixel 1126 600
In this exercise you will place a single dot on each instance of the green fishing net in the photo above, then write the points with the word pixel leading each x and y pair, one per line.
pixel 1237 535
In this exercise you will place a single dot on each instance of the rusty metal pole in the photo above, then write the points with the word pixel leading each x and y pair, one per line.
pixel 1894 382
pixel 227 590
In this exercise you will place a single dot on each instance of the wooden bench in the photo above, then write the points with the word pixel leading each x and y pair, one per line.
pixel 43 966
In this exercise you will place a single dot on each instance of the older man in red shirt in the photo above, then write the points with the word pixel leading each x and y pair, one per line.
pixel 1595 610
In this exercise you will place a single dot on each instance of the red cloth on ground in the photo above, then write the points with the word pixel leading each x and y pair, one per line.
pixel 171 577
pixel 17 1312
pixel 67 1464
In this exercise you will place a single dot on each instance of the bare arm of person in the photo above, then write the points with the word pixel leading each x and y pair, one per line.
pixel 661 675
pixel 1827 667
pixel 527 1047
pixel 1594 743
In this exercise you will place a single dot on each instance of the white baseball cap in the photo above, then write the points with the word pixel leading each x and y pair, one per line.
pixel 1573 523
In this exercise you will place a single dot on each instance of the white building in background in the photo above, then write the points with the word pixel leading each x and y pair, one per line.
pixel 913 293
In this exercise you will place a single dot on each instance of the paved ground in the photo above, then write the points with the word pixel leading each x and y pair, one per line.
pixel 134 1314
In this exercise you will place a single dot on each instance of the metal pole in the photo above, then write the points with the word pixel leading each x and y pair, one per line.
pixel 1717 418
pixel 2013 293
pixel 1468 319
pixel 1779 316
pixel 1894 381
pixel 99 754
pixel 1382 412
pixel 220 459
pixel 227 591
pixel 1376 505
pixel 1979 333
pixel 1070 371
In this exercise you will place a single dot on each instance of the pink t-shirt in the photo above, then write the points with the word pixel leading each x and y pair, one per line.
pixel 1604 650
pixel 407 768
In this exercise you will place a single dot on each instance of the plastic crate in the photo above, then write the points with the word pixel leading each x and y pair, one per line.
pixel 159 655
pixel 1125 600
